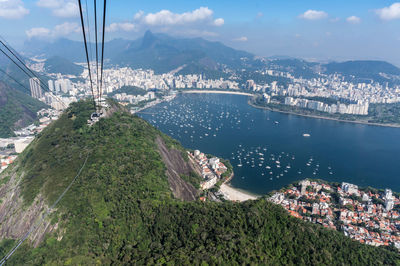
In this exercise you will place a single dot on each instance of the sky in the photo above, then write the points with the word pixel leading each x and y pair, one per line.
pixel 310 29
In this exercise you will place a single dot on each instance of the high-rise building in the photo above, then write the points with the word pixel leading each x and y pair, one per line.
pixel 388 194
pixel 51 85
pixel 389 203
pixel 36 91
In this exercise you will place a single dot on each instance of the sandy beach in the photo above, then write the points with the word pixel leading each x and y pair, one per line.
pixel 233 194
pixel 220 92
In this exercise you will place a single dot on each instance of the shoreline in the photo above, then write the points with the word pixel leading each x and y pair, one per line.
pixel 323 117
pixel 234 194
pixel 218 92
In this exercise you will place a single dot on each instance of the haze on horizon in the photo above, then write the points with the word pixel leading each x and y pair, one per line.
pixel 313 30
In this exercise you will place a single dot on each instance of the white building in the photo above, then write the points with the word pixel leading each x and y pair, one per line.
pixel 350 188
pixel 36 91
pixel 209 183
pixel 214 163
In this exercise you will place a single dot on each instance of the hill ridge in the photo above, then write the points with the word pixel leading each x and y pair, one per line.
pixel 121 210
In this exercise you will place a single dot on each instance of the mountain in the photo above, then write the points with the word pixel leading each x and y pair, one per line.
pixel 297 67
pixel 362 68
pixel 17 109
pixel 160 52
pixel 164 53
pixel 72 50
pixel 57 64
pixel 365 70
pixel 132 199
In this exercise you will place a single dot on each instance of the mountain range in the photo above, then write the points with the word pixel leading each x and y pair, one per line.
pixel 164 53
pixel 122 192
pixel 159 52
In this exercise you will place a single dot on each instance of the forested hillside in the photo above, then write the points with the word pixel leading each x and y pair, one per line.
pixel 121 209
pixel 16 110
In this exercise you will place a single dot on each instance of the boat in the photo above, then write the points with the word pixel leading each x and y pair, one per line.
pixel 306 135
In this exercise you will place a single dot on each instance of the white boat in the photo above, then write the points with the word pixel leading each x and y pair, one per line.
pixel 306 135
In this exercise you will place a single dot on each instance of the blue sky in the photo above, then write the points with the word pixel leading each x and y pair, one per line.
pixel 310 29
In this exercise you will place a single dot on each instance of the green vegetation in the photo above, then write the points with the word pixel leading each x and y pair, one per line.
pixel 57 64
pixel 388 113
pixel 131 90
pixel 16 110
pixel 121 210
pixel 193 179
pixel 261 78
pixel 229 167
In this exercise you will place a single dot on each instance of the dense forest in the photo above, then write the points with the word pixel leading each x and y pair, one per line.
pixel 130 90
pixel 121 210
pixel 16 110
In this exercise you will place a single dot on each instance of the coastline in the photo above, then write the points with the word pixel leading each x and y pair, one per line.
pixel 323 117
pixel 218 92
pixel 234 194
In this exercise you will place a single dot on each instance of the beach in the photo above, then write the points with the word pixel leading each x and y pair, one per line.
pixel 233 194
pixel 219 92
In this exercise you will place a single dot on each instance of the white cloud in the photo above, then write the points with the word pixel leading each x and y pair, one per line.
pixel 353 20
pixel 168 18
pixel 49 3
pixel 195 32
pixel 65 29
pixel 113 27
pixel 38 32
pixel 60 8
pixel 138 15
pixel 390 12
pixel 12 9
pixel 241 39
pixel 59 30
pixel 313 15
pixel 219 22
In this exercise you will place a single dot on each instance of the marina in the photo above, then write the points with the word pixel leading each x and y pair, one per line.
pixel 269 150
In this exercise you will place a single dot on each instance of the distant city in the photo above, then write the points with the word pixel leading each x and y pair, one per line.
pixel 296 90
pixel 344 96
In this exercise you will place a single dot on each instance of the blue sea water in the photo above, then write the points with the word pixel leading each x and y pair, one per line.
pixel 268 150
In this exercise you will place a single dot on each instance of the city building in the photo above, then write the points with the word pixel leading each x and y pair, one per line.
pixel 36 91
